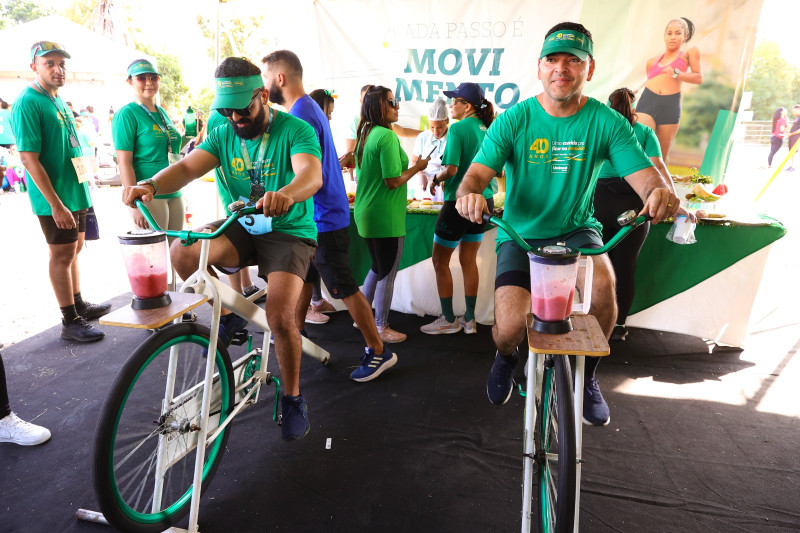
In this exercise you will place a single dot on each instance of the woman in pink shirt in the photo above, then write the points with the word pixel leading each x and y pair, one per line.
pixel 780 125
pixel 659 106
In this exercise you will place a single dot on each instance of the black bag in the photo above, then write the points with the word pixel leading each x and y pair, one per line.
pixel 92 229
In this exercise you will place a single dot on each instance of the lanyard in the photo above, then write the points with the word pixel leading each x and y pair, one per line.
pixel 256 185
pixel 162 125
pixel 68 119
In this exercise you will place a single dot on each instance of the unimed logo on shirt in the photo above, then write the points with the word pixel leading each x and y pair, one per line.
pixel 559 168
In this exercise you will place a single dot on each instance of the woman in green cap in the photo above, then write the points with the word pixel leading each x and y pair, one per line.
pixel 146 141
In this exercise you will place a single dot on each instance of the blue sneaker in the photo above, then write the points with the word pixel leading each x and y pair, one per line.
pixel 501 378
pixel 229 325
pixel 373 365
pixel 294 417
pixel 595 408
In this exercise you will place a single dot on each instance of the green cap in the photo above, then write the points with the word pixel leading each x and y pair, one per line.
pixel 142 66
pixel 567 41
pixel 236 93
pixel 45 47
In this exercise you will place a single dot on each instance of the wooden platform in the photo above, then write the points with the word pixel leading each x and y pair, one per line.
pixel 586 338
pixel 127 317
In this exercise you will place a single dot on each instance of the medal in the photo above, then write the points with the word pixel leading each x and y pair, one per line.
pixel 257 191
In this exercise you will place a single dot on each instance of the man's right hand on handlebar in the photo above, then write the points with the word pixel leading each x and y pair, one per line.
pixel 472 206
pixel 131 194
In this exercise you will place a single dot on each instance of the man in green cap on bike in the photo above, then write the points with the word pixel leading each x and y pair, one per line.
pixel 552 147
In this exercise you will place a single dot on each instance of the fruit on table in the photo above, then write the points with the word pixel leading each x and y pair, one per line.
pixel 704 194
pixel 351 197
pixel 721 189
pixel 701 213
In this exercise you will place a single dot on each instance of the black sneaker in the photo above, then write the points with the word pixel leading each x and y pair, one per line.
pixel 501 378
pixel 249 293
pixel 595 408
pixel 91 311
pixel 80 330
pixel 294 417
pixel 619 333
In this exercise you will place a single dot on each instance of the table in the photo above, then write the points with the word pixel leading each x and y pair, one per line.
pixel 671 279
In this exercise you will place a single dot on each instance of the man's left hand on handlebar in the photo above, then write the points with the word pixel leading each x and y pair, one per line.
pixel 275 203
pixel 472 207
pixel 661 204
pixel 131 194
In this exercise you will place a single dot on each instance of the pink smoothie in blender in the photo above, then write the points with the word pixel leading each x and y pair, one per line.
pixel 145 256
pixel 553 272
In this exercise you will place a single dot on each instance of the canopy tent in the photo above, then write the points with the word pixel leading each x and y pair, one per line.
pixel 95 72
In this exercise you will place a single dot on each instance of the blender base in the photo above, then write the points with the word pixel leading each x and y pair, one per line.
pixel 151 303
pixel 554 328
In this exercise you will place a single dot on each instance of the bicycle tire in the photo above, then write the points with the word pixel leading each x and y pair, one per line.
pixel 133 427
pixel 555 445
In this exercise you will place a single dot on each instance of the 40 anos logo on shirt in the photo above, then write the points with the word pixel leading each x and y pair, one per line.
pixel 538 151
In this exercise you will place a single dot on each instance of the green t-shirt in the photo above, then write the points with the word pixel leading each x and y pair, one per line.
pixel 215 120
pixel 6 133
pixel 39 128
pixel 289 136
pixel 135 130
pixel 552 164
pixel 647 140
pixel 464 139
pixel 378 211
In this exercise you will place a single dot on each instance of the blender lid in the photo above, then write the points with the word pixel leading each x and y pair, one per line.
pixel 143 236
pixel 554 253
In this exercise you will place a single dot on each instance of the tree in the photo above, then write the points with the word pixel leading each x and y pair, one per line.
pixel 15 12
pixel 774 81
pixel 700 110
pixel 236 35
pixel 172 89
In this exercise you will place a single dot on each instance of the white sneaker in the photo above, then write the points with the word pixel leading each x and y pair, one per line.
pixel 14 429
pixel 441 326
pixel 469 327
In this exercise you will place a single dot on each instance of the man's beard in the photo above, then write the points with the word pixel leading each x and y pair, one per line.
pixel 276 95
pixel 254 128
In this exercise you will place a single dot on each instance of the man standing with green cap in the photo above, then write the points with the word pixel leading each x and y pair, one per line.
pixel 273 160
pixel 47 140
pixel 552 147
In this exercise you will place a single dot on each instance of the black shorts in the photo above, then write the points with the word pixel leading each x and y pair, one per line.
pixel 664 108
pixel 451 227
pixel 272 252
pixel 331 262
pixel 54 235
pixel 513 264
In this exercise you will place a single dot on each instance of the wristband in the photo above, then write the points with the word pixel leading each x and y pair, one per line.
pixel 151 182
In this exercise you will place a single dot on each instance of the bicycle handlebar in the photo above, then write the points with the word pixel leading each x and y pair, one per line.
pixel 627 228
pixel 238 210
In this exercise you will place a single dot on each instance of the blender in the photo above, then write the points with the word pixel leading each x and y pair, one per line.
pixel 145 256
pixel 554 269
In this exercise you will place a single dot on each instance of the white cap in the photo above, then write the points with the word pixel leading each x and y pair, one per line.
pixel 438 110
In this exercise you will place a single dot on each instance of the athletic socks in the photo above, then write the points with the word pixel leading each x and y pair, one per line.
pixel 69 313
pixel 470 313
pixel 447 309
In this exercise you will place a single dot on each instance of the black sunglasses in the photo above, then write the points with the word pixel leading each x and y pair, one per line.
pixel 393 102
pixel 228 112
pixel 148 77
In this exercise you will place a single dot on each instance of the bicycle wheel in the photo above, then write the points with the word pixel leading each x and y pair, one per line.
pixel 148 429
pixel 555 446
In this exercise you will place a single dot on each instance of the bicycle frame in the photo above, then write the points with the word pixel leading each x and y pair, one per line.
pixel 202 282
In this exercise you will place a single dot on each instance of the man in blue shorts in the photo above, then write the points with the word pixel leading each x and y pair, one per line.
pixel 552 147
pixel 283 75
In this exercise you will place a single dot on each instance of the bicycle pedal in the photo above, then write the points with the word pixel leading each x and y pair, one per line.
pixel 239 338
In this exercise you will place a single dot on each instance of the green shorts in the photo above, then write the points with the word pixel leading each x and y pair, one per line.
pixel 513 265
